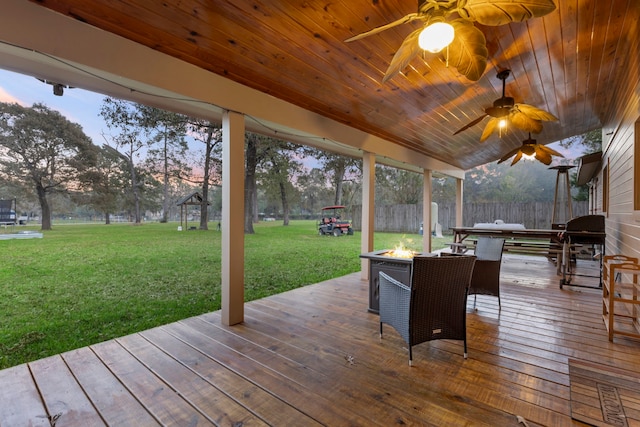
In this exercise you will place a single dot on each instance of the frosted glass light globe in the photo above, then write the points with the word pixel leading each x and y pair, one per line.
pixel 436 37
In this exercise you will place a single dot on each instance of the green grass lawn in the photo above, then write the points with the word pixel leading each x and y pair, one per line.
pixel 82 284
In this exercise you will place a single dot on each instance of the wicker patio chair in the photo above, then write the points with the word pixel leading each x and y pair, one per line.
pixel 485 279
pixel 433 305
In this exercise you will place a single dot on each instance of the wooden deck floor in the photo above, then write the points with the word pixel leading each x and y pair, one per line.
pixel 313 357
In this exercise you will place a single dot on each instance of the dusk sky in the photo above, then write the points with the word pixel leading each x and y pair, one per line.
pixel 82 107
pixel 77 105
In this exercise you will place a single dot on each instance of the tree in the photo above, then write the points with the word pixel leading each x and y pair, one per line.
pixel 314 191
pixel 151 190
pixel 22 191
pixel 166 156
pixel 250 186
pixel 103 185
pixel 211 136
pixel 279 167
pixel 127 144
pixel 590 141
pixel 43 147
pixel 526 182
pixel 339 167
pixel 581 192
pixel 256 148
pixel 443 189
pixel 397 187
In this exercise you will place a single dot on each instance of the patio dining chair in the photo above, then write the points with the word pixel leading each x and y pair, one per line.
pixel 433 305
pixel 485 279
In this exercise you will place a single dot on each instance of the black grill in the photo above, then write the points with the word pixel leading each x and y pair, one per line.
pixel 588 230
pixel 587 223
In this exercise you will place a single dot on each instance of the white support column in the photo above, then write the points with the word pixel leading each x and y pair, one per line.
pixel 459 202
pixel 233 126
pixel 426 210
pixel 368 209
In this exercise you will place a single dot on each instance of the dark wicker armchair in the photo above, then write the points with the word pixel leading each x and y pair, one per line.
pixel 433 306
pixel 486 272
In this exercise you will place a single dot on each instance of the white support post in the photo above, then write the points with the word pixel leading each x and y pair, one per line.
pixel 368 209
pixel 232 274
pixel 426 210
pixel 459 202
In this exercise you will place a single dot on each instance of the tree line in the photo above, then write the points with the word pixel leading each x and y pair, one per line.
pixel 150 158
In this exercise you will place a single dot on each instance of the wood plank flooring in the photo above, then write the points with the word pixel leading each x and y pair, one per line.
pixel 313 356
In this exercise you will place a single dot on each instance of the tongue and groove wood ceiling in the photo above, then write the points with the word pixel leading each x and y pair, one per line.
pixel 574 62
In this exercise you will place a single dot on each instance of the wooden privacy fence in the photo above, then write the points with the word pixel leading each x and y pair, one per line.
pixel 407 218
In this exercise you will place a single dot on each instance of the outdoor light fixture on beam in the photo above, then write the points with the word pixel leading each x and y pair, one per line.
pixel 58 88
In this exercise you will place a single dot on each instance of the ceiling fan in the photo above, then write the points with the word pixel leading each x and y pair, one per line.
pixel 449 23
pixel 530 148
pixel 505 111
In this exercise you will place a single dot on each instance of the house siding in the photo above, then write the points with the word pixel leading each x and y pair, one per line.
pixel 622 222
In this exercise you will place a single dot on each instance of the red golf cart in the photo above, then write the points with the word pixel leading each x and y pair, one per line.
pixel 331 224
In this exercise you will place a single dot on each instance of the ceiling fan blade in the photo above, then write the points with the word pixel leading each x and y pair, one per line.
pixel 407 18
pixel 517 158
pixel 407 51
pixel 471 124
pixel 524 122
pixel 551 151
pixel 489 129
pixel 542 155
pixel 536 113
pixel 468 52
pixel 500 12
pixel 509 155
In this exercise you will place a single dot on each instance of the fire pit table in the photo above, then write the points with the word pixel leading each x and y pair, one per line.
pixel 398 266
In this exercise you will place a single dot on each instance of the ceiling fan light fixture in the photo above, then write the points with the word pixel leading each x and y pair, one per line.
pixel 530 157
pixel 503 126
pixel 531 150
pixel 436 36
pixel 469 53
